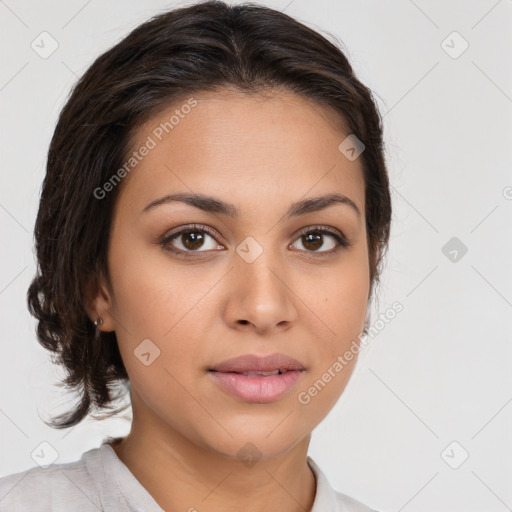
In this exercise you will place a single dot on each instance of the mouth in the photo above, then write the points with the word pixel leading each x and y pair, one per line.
pixel 256 373
pixel 256 379
pixel 251 363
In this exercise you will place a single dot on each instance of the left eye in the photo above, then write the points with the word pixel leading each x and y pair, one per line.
pixel 313 239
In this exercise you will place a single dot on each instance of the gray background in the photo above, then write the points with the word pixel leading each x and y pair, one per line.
pixel 440 371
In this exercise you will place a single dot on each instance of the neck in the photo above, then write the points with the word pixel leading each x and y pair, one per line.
pixel 182 475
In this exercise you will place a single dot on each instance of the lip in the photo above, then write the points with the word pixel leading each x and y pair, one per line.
pixel 253 362
pixel 229 375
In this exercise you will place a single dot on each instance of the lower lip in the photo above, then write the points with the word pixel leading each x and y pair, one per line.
pixel 256 388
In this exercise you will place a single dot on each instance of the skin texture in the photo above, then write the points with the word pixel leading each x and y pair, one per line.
pixel 260 153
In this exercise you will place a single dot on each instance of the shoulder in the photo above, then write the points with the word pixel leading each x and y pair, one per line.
pixel 330 499
pixel 60 487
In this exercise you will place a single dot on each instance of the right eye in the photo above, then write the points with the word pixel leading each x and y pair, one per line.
pixel 191 238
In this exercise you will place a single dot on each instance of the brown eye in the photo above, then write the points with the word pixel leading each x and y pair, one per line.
pixel 192 240
pixel 314 239
pixel 189 240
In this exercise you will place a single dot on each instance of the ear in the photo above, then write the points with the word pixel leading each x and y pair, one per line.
pixel 98 302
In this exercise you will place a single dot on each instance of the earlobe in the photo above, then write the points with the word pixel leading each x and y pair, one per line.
pixel 98 305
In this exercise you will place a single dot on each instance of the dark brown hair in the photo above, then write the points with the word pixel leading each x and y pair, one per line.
pixel 207 46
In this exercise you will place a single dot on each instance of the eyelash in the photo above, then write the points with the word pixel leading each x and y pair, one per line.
pixel 342 241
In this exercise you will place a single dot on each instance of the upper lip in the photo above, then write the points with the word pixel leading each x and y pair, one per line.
pixel 253 362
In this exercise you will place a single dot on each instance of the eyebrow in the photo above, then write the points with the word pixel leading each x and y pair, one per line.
pixel 213 205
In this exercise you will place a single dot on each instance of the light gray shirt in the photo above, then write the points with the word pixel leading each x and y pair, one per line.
pixel 100 481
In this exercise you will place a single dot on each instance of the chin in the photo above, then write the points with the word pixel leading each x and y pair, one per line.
pixel 252 439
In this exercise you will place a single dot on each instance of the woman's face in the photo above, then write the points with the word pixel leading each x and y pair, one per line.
pixel 257 275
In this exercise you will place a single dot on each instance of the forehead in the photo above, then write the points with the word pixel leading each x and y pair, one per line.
pixel 231 117
pixel 229 141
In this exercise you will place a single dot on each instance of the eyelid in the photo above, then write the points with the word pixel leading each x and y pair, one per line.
pixel 191 227
pixel 323 229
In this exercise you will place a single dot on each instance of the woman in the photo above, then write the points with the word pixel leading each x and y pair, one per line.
pixel 212 224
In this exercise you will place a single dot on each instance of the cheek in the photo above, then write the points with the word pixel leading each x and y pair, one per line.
pixel 340 301
pixel 155 314
pixel 349 301
pixel 152 293
pixel 162 302
pixel 338 297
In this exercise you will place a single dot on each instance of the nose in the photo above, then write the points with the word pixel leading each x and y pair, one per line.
pixel 260 295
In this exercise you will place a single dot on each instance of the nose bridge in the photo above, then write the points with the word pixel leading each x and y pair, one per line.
pixel 259 290
pixel 259 262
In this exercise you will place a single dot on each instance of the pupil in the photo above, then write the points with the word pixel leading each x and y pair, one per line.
pixel 196 240
pixel 313 239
